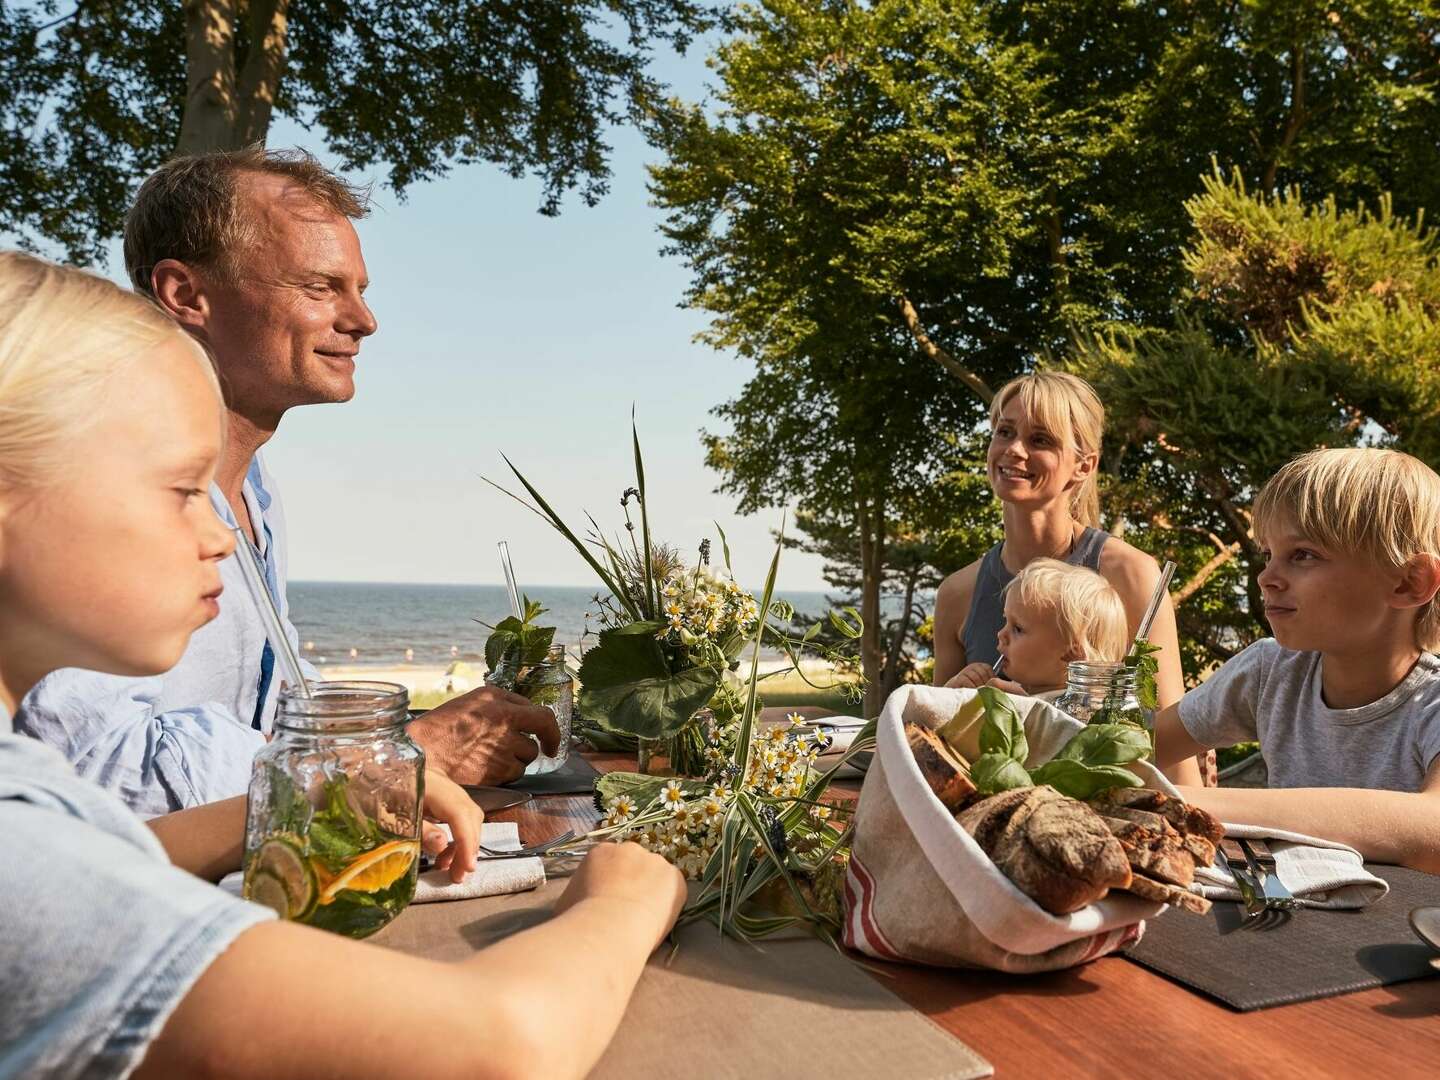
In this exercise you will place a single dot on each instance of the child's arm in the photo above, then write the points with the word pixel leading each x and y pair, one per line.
pixel 209 840
pixel 1173 743
pixel 543 1002
pixel 1397 827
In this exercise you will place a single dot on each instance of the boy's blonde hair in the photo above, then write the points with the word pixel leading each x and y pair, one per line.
pixel 1381 504
pixel 1068 407
pixel 66 336
pixel 1089 611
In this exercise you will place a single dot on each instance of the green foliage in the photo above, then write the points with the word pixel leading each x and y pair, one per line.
pixel 627 686
pixel 1093 760
pixel 1303 325
pixel 92 95
pixel 515 643
pixel 1011 173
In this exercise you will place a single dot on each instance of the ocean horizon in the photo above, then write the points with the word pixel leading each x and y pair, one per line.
pixel 352 622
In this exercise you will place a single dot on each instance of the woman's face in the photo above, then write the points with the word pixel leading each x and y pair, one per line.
pixel 1029 465
pixel 115 563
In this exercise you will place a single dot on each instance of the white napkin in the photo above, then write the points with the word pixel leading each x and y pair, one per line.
pixel 492 877
pixel 1321 873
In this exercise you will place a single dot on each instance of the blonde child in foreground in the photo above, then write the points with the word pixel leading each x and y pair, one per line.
pixel 1345 698
pixel 114 959
pixel 1054 613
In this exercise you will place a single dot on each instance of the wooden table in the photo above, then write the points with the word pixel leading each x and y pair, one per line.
pixel 1112 1017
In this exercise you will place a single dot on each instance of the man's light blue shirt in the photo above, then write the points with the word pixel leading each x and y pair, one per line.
pixel 186 737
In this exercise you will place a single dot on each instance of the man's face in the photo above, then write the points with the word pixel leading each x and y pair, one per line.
pixel 286 325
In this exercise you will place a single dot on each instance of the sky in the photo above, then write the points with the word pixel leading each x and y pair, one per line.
pixel 504 330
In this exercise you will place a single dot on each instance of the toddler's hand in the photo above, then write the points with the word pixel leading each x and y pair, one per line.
pixel 972 676
pixel 634 878
pixel 1008 686
pixel 446 801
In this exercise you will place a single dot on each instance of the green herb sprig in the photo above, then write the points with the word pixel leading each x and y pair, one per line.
pixel 1092 761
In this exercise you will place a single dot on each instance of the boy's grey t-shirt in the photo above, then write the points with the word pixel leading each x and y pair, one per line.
pixel 1272 694
pixel 100 936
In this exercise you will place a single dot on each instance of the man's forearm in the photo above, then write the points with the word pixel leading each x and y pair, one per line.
pixel 1397 827
pixel 208 841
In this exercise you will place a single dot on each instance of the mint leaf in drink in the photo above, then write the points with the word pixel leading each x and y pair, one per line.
pixel 1142 659
pixel 515 644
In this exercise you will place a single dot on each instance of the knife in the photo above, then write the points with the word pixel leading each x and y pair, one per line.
pixel 1231 855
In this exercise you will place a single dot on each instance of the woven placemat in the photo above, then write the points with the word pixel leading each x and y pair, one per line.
pixel 721 1010
pixel 1307 954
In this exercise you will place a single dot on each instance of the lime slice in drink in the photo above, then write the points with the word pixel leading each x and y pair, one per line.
pixel 265 889
pixel 282 860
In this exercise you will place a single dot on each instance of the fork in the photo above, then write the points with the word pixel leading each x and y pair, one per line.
pixel 1247 887
pixel 531 850
pixel 1276 894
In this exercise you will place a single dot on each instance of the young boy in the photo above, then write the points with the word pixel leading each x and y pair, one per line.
pixel 1346 696
pixel 1054 613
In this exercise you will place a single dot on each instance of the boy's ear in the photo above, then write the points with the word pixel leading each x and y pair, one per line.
pixel 1419 582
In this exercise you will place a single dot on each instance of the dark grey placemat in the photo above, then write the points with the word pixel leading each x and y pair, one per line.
pixel 1309 954
pixel 575 777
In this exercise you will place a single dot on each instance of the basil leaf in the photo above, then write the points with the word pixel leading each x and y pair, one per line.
pixel 1107 744
pixel 1080 781
pixel 1003 731
pixel 997 772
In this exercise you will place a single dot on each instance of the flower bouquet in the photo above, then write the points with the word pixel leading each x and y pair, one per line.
pixel 744 816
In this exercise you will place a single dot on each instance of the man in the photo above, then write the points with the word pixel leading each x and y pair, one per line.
pixel 254 254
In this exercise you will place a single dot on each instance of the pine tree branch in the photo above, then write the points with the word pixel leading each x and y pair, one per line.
pixel 939 355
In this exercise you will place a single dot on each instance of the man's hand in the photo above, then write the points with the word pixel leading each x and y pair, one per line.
pixel 483 737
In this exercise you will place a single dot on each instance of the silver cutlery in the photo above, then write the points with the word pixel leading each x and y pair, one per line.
pixel 1276 895
pixel 1249 890
pixel 529 851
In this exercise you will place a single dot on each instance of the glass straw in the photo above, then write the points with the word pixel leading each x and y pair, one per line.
pixel 1143 634
pixel 253 572
pixel 510 580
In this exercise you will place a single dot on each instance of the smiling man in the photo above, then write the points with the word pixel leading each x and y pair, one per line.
pixel 255 254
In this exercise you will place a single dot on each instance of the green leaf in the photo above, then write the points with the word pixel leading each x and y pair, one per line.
pixel 1107 744
pixel 498 644
pixel 1070 777
pixel 653 708
pixel 847 623
pixel 652 592
pixel 725 547
pixel 643 789
pixel 1003 731
pixel 996 772
pixel 643 628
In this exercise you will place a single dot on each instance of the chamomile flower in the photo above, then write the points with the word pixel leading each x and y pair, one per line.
pixel 722 792
pixel 672 797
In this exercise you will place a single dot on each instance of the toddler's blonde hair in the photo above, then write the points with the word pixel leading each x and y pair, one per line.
pixel 1380 504
pixel 66 337
pixel 1089 611
pixel 1068 407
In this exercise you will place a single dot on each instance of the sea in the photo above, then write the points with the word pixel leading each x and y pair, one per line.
pixel 358 623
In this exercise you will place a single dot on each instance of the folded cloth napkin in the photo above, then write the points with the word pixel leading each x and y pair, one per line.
pixel 491 877
pixel 1321 873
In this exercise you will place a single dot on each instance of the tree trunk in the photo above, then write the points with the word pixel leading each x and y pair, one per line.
pixel 890 678
pixel 939 355
pixel 871 520
pixel 225 110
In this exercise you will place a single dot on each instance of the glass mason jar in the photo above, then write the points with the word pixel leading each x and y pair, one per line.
pixel 1105 693
pixel 332 828
pixel 546 683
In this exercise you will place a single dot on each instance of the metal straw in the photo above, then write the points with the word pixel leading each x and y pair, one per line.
pixel 1143 634
pixel 253 571
pixel 510 580
pixel 999 666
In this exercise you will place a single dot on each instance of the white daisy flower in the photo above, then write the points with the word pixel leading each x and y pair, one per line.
pixel 672 797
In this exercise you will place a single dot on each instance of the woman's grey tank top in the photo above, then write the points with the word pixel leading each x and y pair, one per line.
pixel 987 609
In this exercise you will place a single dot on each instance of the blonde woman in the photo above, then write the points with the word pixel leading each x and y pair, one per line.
pixel 115 957
pixel 1043 465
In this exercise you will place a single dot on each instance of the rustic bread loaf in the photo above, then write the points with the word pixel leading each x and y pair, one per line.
pixel 946 774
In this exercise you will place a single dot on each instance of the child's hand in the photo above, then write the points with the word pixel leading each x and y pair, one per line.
pixel 1008 686
pixel 446 801
pixel 637 880
pixel 973 676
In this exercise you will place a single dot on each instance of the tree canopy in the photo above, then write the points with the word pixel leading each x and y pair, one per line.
pixel 94 94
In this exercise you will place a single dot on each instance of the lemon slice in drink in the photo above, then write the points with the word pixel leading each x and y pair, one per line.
pixel 377 869
pixel 266 890
pixel 282 861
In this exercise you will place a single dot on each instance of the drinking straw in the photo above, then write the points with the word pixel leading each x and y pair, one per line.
pixel 999 666
pixel 1143 634
pixel 510 580
pixel 253 571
